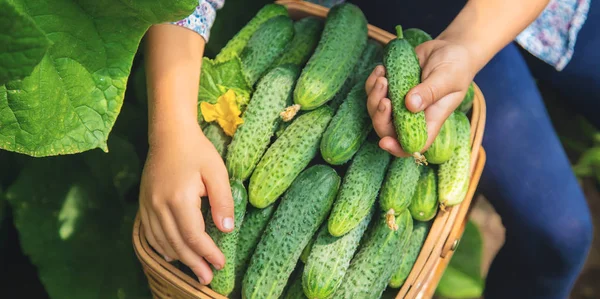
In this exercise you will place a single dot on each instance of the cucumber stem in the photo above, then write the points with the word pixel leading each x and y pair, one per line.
pixel 399 32
pixel 390 220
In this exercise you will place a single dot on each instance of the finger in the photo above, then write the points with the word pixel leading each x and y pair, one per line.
pixel 378 71
pixel 392 146
pixel 150 235
pixel 216 182
pixel 378 92
pixel 437 114
pixel 191 227
pixel 195 262
pixel 382 119
pixel 159 235
pixel 434 87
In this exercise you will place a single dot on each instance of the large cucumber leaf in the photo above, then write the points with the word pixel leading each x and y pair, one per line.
pixel 77 230
pixel 71 99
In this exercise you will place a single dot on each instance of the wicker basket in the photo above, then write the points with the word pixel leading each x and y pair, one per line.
pixel 167 281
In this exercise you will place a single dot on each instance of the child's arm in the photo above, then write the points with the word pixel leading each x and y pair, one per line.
pixel 182 165
pixel 449 64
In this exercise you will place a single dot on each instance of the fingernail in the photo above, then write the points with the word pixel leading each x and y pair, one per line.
pixel 228 223
pixel 379 70
pixel 380 84
pixel 218 266
pixel 381 107
pixel 168 259
pixel 202 281
pixel 416 100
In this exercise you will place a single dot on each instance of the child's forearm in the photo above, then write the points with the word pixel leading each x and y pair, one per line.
pixel 484 27
pixel 173 57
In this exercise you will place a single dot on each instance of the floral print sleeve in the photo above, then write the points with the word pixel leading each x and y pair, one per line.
pixel 202 18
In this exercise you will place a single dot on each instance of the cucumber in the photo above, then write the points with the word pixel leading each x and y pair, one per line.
pixel 424 204
pixel 307 249
pixel 252 138
pixel 444 143
pixel 403 73
pixel 359 190
pixel 224 279
pixel 329 259
pixel 307 32
pixel 303 208
pixel 377 258
pixel 467 102
pixel 236 44
pixel 370 57
pixel 294 286
pixel 217 137
pixel 454 175
pixel 410 253
pixel 343 39
pixel 265 46
pixel 253 226
pixel 416 36
pixel 287 157
pixel 399 185
pixel 348 129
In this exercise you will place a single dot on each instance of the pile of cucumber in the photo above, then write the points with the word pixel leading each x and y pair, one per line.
pixel 321 210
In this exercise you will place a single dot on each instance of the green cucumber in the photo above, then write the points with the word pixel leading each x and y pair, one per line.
pixel 377 258
pixel 223 280
pixel 255 222
pixel 307 32
pixel 370 57
pixel 348 129
pixel 307 249
pixel 403 73
pixel 265 46
pixel 343 39
pixel 217 137
pixel 399 185
pixel 424 204
pixel 454 175
pixel 303 208
pixel 287 157
pixel 236 45
pixel 467 101
pixel 329 259
pixel 416 36
pixel 410 253
pixel 294 286
pixel 444 143
pixel 359 190
pixel 262 116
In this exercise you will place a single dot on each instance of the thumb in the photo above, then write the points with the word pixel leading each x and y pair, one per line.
pixel 219 195
pixel 434 87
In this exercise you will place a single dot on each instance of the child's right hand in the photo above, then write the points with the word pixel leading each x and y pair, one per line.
pixel 180 169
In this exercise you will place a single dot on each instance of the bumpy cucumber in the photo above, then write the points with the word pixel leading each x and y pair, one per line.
pixel 343 39
pixel 359 190
pixel 454 175
pixel 416 36
pixel 410 253
pixel 307 248
pixel 443 146
pixel 424 204
pixel 329 259
pixel 287 157
pixel 236 44
pixel 265 46
pixel 467 102
pixel 307 32
pixel 403 73
pixel 262 116
pixel 223 280
pixel 399 185
pixel 217 137
pixel 348 129
pixel 253 226
pixel 377 258
pixel 370 57
pixel 294 286
pixel 303 208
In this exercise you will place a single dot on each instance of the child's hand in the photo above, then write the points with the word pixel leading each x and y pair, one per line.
pixel 446 76
pixel 179 171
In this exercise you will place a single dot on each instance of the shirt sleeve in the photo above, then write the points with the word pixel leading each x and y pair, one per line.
pixel 203 17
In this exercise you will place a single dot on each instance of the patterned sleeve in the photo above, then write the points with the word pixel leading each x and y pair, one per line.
pixel 203 17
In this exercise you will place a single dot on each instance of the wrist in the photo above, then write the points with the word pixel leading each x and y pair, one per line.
pixel 171 130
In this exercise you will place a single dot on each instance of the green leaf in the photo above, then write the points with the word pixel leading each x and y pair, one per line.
pixel 462 278
pixel 75 231
pixel 71 99
pixel 217 78
pixel 22 43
